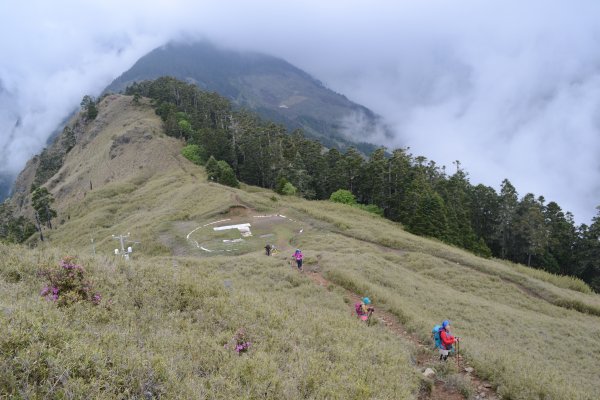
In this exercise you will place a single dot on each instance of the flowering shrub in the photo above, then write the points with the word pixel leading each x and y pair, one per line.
pixel 240 342
pixel 68 284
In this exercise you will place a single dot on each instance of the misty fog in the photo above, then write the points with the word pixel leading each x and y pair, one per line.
pixel 511 90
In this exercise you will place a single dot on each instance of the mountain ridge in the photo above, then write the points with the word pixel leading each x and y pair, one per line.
pixel 274 88
pixel 75 179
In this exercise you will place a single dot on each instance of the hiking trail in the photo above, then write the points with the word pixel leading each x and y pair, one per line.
pixel 424 359
pixel 444 386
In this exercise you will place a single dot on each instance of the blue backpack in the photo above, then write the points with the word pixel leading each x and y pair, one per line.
pixel 436 336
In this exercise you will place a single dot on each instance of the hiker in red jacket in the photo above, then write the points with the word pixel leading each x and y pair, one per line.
pixel 447 340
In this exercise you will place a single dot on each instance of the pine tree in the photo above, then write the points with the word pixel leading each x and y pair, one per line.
pixel 41 200
pixel 562 237
pixel 351 164
pixel 529 229
pixel 485 205
pixel 226 176
pixel 399 177
pixel 375 180
pixel 298 175
pixel 316 169
pixel 588 252
pixel 456 198
pixel 430 216
pixel 88 104
pixel 212 169
pixel 335 178
pixel 508 202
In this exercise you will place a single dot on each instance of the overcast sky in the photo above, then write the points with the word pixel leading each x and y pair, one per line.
pixel 509 88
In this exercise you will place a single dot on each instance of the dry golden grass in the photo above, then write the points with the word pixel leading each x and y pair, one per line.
pixel 516 330
pixel 164 330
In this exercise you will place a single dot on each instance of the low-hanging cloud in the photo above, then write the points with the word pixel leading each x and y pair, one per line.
pixel 509 88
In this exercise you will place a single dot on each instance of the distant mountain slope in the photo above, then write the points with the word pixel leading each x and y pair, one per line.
pixel 117 146
pixel 272 87
pixel 5 182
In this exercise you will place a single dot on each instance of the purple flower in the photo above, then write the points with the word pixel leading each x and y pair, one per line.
pixel 68 265
pixel 241 347
pixel 96 298
pixel 45 291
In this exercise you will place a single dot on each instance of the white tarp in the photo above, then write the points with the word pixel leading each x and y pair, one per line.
pixel 240 227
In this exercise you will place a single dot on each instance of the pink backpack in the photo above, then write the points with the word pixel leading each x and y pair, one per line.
pixel 358 308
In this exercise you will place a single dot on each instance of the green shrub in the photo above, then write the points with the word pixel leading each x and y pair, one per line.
pixel 343 196
pixel 195 153
pixel 288 189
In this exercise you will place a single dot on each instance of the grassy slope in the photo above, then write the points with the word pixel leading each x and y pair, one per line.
pixel 513 332
pixel 165 330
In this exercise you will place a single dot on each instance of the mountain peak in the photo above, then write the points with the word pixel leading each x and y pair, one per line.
pixel 270 86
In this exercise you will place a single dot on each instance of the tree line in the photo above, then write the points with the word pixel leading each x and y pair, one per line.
pixel 409 189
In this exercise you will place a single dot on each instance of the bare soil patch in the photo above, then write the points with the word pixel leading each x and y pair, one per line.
pixel 238 211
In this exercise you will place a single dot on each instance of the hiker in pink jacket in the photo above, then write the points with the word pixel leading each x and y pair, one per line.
pixel 298 257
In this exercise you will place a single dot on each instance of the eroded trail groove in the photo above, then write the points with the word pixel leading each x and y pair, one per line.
pixel 442 389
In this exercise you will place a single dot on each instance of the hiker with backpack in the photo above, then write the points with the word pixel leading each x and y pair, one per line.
pixel 364 309
pixel 444 339
pixel 298 257
pixel 268 248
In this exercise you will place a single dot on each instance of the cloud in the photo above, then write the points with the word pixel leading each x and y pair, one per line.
pixel 509 88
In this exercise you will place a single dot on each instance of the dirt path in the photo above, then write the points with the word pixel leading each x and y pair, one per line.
pixel 427 357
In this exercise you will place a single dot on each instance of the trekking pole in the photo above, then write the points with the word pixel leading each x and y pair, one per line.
pixel 458 353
